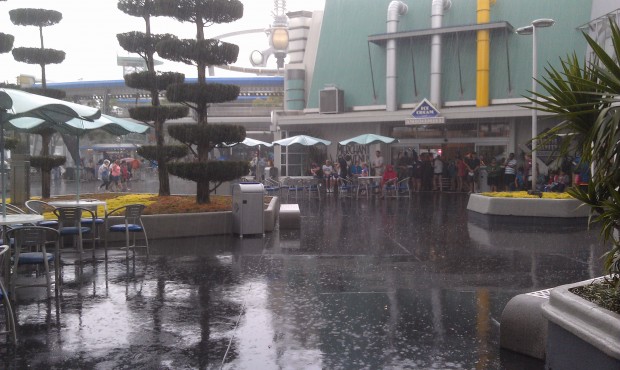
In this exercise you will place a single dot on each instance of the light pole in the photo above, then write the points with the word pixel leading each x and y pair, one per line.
pixel 531 30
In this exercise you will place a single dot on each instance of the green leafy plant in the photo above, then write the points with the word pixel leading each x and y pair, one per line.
pixel 585 97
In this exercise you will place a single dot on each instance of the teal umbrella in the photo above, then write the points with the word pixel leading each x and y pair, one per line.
pixel 78 127
pixel 20 104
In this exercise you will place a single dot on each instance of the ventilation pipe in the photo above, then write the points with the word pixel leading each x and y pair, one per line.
pixel 437 10
pixel 483 15
pixel 395 9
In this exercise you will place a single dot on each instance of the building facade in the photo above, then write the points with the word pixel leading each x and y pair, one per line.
pixel 368 64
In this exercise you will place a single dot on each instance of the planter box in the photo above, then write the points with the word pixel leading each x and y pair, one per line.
pixel 527 207
pixel 195 224
pixel 581 335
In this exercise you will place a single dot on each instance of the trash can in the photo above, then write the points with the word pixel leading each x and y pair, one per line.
pixel 248 208
pixel 483 186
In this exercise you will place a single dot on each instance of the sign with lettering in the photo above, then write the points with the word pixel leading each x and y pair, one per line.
pixel 425 114
pixel 425 121
pixel 425 110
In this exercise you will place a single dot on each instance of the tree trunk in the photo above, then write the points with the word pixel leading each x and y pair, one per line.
pixel 162 167
pixel 46 176
pixel 202 191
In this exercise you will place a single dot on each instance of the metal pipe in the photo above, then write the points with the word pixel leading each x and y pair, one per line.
pixel 395 9
pixel 437 10
pixel 483 15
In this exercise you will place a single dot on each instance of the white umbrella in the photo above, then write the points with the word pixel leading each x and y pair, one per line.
pixel 15 104
pixel 304 140
pixel 252 142
pixel 78 127
pixel 367 139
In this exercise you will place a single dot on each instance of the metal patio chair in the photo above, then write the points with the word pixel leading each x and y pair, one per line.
pixel 4 296
pixel 131 225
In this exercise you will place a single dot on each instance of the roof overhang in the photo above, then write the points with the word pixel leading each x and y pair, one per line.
pixel 384 37
pixel 377 116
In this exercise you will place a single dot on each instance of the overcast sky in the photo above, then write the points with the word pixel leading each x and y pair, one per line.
pixel 87 34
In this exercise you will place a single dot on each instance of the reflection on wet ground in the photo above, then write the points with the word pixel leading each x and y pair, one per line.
pixel 364 284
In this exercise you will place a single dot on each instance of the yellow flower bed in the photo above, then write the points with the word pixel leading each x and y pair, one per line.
pixel 155 204
pixel 524 194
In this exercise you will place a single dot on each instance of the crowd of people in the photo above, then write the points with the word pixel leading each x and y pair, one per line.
pixel 115 175
pixel 429 172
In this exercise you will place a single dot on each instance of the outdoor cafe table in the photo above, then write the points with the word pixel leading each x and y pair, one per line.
pixel 90 204
pixel 83 203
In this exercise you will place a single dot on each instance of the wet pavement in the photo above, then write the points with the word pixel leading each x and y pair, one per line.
pixel 365 284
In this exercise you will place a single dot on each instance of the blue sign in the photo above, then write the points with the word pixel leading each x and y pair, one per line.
pixel 425 110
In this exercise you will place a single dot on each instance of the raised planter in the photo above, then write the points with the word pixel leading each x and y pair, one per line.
pixel 196 224
pixel 581 335
pixel 527 207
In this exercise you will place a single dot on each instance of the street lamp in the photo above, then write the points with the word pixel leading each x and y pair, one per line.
pixel 531 30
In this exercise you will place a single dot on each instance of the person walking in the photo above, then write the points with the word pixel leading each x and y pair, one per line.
pixel 103 174
pixel 115 175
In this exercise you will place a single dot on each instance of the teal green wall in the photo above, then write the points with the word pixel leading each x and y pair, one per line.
pixel 343 55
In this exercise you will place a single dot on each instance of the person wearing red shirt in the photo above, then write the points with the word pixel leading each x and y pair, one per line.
pixel 390 177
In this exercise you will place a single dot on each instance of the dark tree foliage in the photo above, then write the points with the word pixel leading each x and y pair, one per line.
pixel 140 8
pixel 38 56
pixel 210 52
pixel 6 42
pixel 202 52
pixel 213 135
pixel 144 44
pixel 216 172
pixel 141 43
pixel 170 152
pixel 161 112
pixel 35 17
pixel 201 94
pixel 45 164
pixel 150 80
pixel 10 143
pixel 205 12
pixel 42 56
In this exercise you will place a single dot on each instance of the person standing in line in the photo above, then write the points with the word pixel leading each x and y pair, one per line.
pixel 377 164
pixel 473 165
pixel 510 171
pixel 461 174
pixel 438 173
pixel 328 173
pixel 343 168
pixel 493 175
pixel 416 173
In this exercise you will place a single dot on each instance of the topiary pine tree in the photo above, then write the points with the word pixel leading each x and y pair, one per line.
pixel 202 53
pixel 143 44
pixel 41 56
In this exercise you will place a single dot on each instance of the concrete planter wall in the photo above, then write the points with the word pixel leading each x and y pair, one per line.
pixel 581 335
pixel 527 207
pixel 195 224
